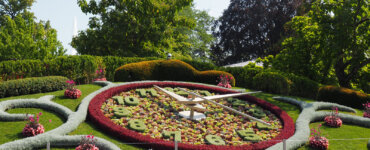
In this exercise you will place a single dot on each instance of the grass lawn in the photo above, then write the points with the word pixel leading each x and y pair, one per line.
pixel 13 130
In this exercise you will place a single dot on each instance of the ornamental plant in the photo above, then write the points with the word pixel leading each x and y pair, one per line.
pixel 367 110
pixel 317 141
pixel 71 91
pixel 87 143
pixel 333 119
pixel 224 81
pixel 33 127
pixel 100 74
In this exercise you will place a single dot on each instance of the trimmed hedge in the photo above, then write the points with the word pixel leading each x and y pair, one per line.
pixel 26 68
pixel 243 75
pixel 201 66
pixel 174 70
pixel 113 62
pixel 303 87
pixel 342 96
pixel 32 85
pixel 106 124
pixel 272 82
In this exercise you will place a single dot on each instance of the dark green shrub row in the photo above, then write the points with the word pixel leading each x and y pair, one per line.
pixel 201 66
pixel 272 81
pixel 174 70
pixel 32 85
pixel 342 96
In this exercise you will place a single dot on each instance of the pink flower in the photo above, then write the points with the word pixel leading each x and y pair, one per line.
pixel 40 113
pixel 49 120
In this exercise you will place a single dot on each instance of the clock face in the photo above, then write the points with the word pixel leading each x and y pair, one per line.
pixel 150 113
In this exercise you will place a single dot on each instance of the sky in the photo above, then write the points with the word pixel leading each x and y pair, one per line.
pixel 62 14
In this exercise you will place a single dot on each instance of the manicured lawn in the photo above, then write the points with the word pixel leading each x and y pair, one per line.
pixel 12 130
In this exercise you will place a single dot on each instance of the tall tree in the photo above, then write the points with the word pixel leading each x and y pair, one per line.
pixel 251 28
pixel 200 37
pixel 134 28
pixel 13 7
pixel 333 37
pixel 21 37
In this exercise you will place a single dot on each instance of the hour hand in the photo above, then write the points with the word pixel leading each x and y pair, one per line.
pixel 171 94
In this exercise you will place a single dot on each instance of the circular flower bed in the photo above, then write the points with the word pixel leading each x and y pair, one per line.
pixel 319 143
pixel 333 121
pixel 158 117
pixel 72 93
pixel 32 130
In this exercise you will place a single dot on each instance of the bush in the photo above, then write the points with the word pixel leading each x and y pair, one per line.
pixel 113 62
pixel 342 96
pixel 243 75
pixel 201 66
pixel 302 86
pixel 272 82
pixel 25 68
pixel 174 70
pixel 32 85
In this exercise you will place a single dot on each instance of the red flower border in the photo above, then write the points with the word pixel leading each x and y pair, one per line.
pixel 97 116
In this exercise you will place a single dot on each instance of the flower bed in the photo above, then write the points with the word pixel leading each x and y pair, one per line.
pixel 128 135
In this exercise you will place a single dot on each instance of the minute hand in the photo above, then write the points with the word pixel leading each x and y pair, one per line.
pixel 225 107
pixel 171 94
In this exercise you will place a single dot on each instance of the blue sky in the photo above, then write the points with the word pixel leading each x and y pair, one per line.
pixel 61 14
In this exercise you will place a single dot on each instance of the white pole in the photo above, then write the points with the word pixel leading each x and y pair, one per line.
pixel 284 144
pixel 176 145
pixel 48 146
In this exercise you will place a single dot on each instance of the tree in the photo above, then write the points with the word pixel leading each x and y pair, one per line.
pixel 200 37
pixel 13 7
pixel 332 38
pixel 134 28
pixel 251 28
pixel 21 37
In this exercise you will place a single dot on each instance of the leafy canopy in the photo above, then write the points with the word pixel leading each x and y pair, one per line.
pixel 134 28
pixel 21 37
pixel 332 40
pixel 251 28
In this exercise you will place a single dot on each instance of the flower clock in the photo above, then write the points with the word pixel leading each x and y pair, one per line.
pixel 196 116
pixel 317 141
pixel 333 119
pixel 71 91
pixel 33 127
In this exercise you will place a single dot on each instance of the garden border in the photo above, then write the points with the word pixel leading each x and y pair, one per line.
pixel 106 124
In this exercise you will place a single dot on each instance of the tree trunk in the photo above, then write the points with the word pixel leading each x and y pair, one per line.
pixel 341 75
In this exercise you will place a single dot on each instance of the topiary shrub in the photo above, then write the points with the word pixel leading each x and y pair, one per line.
pixel 174 70
pixel 32 85
pixel 342 96
pixel 243 75
pixel 272 82
pixel 24 68
pixel 113 62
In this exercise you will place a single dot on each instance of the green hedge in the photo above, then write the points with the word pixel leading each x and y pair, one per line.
pixel 342 96
pixel 25 68
pixel 201 66
pixel 32 85
pixel 174 70
pixel 243 75
pixel 303 87
pixel 272 82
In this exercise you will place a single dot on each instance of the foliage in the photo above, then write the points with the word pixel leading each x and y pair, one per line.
pixel 244 76
pixel 174 70
pixel 251 29
pixel 332 40
pixel 87 143
pixel 200 65
pixel 21 37
pixel 133 28
pixel 333 119
pixel 302 86
pixel 31 85
pixel 272 82
pixel 12 8
pixel 318 141
pixel 200 36
pixel 342 96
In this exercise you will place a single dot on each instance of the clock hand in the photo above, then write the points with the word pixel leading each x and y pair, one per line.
pixel 171 94
pixel 223 96
pixel 227 108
